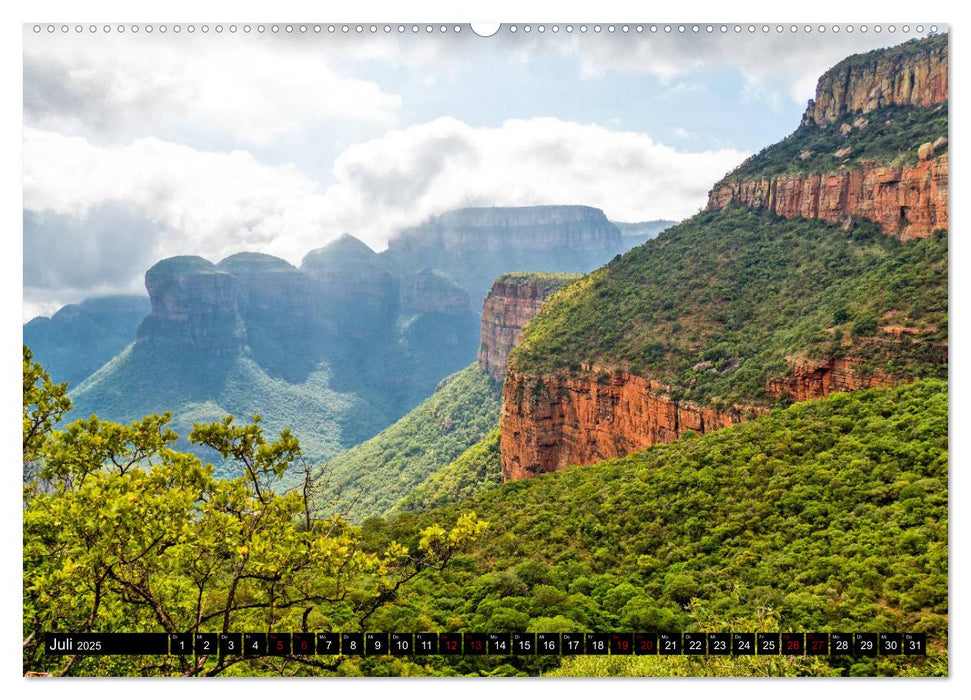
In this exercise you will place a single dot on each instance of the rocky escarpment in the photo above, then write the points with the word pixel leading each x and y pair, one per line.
pixel 914 74
pixel 512 302
pixel 279 309
pixel 501 229
pixel 194 306
pixel 877 118
pixel 813 379
pixel 473 246
pixel 862 365
pixel 688 306
pixel 907 201
pixel 274 292
pixel 551 422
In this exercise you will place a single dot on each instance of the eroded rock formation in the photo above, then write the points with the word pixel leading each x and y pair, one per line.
pixel 908 201
pixel 551 422
pixel 512 302
pixel 912 74
pixel 194 306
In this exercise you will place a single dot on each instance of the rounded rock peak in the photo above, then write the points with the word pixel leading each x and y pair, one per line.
pixel 342 253
pixel 254 262
pixel 180 265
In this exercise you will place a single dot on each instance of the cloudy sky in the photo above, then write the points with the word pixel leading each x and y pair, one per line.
pixel 139 146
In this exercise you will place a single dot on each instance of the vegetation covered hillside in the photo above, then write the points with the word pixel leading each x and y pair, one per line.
pixel 714 306
pixel 829 515
pixel 476 470
pixel 886 136
pixel 199 389
pixel 377 474
pixel 122 533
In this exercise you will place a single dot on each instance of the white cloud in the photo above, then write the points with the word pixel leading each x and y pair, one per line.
pixel 446 163
pixel 252 87
pixel 187 201
pixel 773 64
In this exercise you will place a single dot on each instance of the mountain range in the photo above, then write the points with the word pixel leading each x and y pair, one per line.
pixel 336 349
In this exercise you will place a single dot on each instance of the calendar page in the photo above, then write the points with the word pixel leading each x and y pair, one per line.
pixel 544 349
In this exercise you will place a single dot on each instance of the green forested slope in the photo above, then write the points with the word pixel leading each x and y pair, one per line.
pixel 377 474
pixel 475 470
pixel 714 305
pixel 829 515
pixel 199 389
pixel 885 136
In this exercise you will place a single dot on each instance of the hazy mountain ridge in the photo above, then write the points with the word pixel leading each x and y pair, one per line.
pixel 371 333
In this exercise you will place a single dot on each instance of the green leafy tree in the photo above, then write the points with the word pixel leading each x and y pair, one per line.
pixel 123 533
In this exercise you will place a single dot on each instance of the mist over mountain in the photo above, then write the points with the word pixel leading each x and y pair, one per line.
pixel 336 349
pixel 637 232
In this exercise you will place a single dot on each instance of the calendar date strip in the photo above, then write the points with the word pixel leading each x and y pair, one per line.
pixel 858 644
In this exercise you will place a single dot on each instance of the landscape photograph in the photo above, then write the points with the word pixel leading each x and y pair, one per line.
pixel 556 350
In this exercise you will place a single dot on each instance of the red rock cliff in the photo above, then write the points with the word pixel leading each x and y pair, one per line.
pixel 909 201
pixel 906 201
pixel 814 379
pixel 512 302
pixel 912 74
pixel 551 422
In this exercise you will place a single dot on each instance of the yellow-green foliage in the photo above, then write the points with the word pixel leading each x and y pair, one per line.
pixel 122 533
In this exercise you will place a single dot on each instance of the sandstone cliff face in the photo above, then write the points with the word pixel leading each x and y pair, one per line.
pixel 906 201
pixel 909 201
pixel 272 290
pixel 550 422
pixel 814 379
pixel 512 302
pixel 194 305
pixel 906 76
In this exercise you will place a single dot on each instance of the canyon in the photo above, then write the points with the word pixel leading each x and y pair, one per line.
pixel 582 414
